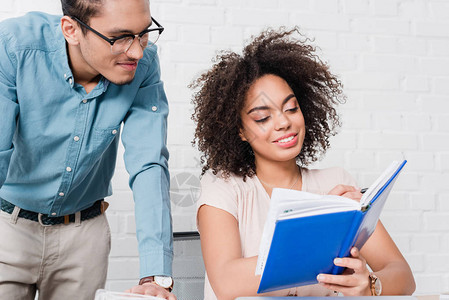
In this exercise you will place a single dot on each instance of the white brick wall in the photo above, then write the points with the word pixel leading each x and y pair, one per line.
pixel 393 58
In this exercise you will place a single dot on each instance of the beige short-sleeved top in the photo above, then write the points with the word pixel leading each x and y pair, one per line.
pixel 248 202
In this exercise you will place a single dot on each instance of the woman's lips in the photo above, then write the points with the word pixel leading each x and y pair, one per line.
pixel 287 140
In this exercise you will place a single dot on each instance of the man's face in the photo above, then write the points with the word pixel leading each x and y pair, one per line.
pixel 116 17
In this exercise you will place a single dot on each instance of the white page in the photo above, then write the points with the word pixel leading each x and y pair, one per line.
pixel 379 183
pixel 314 212
pixel 318 206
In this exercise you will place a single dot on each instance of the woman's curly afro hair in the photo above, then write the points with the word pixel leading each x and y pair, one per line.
pixel 221 94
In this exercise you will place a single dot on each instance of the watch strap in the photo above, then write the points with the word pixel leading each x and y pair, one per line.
pixel 150 279
pixel 373 279
pixel 146 279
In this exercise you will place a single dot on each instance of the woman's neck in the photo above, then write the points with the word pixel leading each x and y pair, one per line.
pixel 279 174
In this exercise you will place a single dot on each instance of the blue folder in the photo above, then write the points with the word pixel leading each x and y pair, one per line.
pixel 302 248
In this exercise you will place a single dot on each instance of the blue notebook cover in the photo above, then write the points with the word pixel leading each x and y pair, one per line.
pixel 302 248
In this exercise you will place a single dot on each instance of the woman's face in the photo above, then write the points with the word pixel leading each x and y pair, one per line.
pixel 272 121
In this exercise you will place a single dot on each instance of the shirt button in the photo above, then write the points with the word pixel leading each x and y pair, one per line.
pixel 53 214
pixel 76 138
pixel 61 194
pixel 84 101
pixel 65 75
pixel 68 169
pixel 114 131
pixel 70 80
pixel 154 108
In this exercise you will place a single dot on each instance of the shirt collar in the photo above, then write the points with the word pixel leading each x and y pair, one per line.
pixel 64 58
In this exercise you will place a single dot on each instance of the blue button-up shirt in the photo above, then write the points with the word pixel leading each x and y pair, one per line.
pixel 58 144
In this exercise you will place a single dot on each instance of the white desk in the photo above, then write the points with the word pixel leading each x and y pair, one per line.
pixel 432 297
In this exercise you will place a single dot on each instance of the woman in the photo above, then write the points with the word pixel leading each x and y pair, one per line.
pixel 262 117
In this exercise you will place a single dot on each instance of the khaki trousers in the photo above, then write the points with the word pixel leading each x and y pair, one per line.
pixel 59 261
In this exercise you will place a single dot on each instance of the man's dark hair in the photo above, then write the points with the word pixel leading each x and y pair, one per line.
pixel 82 9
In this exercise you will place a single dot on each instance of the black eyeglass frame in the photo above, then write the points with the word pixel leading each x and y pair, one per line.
pixel 113 40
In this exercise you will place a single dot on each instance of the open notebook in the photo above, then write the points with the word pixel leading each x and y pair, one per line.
pixel 304 232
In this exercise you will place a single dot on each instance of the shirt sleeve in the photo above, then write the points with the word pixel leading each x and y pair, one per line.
pixel 144 137
pixel 219 193
pixel 9 107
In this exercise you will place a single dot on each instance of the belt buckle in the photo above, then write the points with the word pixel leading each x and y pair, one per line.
pixel 39 218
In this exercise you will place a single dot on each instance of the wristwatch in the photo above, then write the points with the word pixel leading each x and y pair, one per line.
pixel 163 281
pixel 375 285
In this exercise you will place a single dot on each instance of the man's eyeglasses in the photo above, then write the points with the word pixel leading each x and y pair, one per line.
pixel 121 44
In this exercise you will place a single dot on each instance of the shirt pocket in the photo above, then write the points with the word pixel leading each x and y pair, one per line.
pixel 102 142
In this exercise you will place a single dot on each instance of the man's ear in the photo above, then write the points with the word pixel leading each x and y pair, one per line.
pixel 70 30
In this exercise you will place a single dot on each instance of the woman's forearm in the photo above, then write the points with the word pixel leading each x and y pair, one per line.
pixel 396 279
pixel 236 278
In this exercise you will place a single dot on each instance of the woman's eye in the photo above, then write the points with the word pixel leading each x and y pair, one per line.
pixel 294 109
pixel 261 120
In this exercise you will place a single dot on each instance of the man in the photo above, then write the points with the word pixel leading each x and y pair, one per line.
pixel 66 87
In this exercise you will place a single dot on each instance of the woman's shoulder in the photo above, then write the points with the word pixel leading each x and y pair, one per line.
pixel 230 180
pixel 223 192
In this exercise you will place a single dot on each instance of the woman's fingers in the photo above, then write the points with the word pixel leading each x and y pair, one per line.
pixel 347 191
pixel 354 281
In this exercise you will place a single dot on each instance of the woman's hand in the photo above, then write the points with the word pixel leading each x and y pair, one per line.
pixel 347 191
pixel 355 279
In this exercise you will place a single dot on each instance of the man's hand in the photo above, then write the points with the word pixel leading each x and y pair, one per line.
pixel 152 289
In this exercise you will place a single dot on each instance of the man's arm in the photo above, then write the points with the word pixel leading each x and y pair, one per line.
pixel 146 158
pixel 9 108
